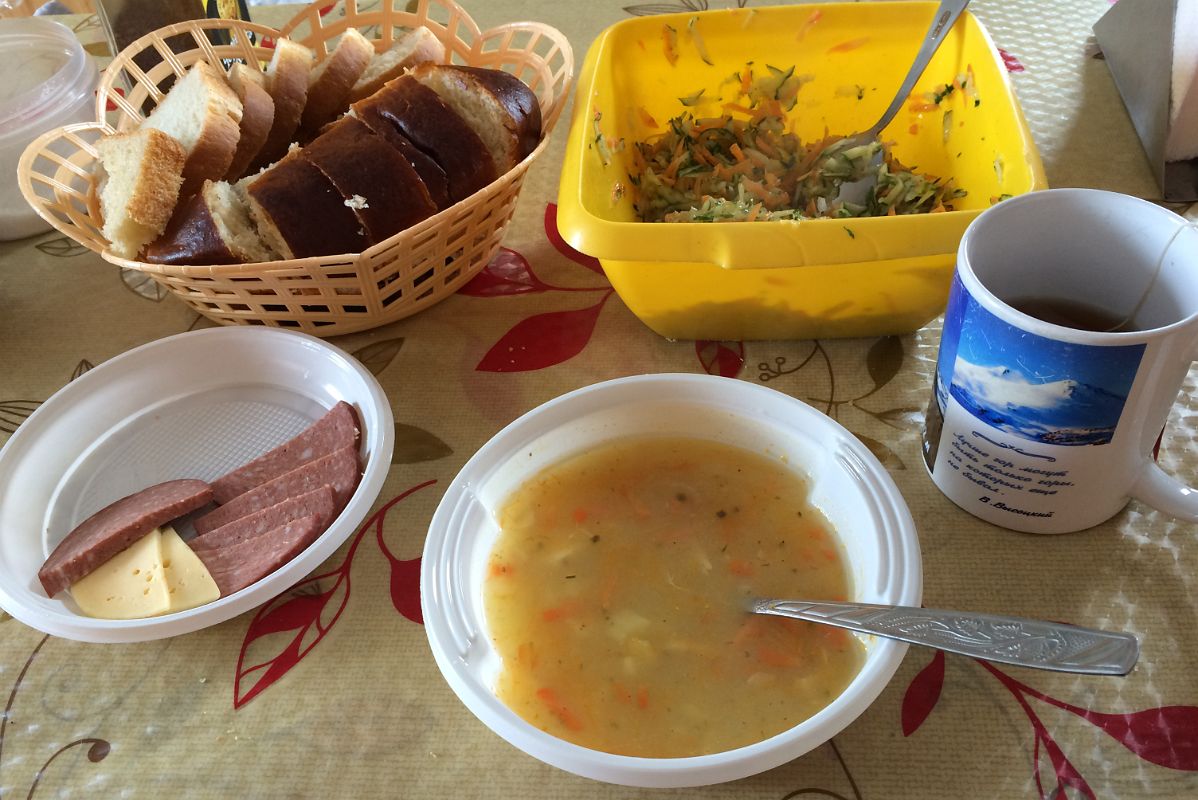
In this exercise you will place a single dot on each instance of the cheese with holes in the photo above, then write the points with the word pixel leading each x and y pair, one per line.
pixel 130 585
pixel 188 581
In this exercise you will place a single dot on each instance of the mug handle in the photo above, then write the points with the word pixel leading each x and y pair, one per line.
pixel 1166 494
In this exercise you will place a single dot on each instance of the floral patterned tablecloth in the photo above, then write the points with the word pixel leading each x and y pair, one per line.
pixel 330 690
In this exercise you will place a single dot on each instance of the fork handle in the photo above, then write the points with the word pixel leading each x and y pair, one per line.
pixel 942 23
pixel 1006 640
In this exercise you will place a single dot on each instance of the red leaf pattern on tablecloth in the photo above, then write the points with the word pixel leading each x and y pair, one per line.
pixel 302 613
pixel 108 104
pixel 555 238
pixel 922 694
pixel 1009 61
pixel 309 610
pixel 1167 736
pixel 721 358
pixel 508 273
pixel 543 340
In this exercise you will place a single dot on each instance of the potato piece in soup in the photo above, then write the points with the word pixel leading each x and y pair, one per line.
pixel 616 596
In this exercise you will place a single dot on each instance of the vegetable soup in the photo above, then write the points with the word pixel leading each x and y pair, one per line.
pixel 617 590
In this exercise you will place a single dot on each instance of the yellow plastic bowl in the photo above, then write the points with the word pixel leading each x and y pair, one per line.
pixel 790 279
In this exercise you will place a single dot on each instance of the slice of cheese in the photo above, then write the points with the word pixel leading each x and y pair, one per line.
pixel 188 582
pixel 130 585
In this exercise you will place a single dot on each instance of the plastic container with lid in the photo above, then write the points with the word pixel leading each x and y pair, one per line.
pixel 49 80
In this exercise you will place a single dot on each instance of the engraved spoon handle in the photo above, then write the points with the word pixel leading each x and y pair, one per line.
pixel 1006 640
pixel 942 23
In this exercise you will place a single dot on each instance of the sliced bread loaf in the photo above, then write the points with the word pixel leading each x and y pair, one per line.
pixel 211 227
pixel 417 46
pixel 257 116
pixel 423 117
pixel 384 190
pixel 139 173
pixel 287 81
pixel 329 87
pixel 430 171
pixel 502 110
pixel 203 114
pixel 300 213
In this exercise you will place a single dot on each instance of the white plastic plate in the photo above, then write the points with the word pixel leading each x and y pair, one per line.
pixel 195 405
pixel 846 483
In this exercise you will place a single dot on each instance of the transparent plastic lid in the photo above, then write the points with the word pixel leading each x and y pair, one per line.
pixel 45 68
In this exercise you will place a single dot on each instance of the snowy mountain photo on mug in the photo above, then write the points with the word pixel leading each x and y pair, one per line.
pixel 1040 389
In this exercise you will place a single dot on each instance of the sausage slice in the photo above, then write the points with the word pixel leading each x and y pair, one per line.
pixel 236 567
pixel 336 429
pixel 317 503
pixel 338 469
pixel 114 527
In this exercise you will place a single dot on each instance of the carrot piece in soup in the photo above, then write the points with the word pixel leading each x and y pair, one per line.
pixel 642 697
pixel 559 709
pixel 738 566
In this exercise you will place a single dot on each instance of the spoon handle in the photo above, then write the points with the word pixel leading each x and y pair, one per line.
pixel 1006 640
pixel 942 23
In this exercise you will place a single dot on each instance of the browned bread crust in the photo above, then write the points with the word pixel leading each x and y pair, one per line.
pixel 511 102
pixel 287 81
pixel 257 116
pixel 420 115
pixel 300 213
pixel 430 171
pixel 190 238
pixel 328 92
pixel 383 189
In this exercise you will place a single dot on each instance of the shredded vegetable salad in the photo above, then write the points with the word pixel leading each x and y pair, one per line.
pixel 747 165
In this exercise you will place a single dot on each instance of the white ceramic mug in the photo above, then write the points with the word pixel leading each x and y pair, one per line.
pixel 1044 428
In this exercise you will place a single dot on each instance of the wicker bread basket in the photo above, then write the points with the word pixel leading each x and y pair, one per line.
pixel 325 295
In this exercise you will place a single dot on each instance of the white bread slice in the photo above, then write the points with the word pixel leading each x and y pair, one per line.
pixel 140 175
pixel 257 117
pixel 212 227
pixel 328 89
pixel 204 115
pixel 287 81
pixel 414 47
pixel 500 108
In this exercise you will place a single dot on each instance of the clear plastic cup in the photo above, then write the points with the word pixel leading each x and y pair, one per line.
pixel 49 81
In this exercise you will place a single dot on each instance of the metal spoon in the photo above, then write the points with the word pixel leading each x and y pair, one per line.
pixel 1006 640
pixel 856 192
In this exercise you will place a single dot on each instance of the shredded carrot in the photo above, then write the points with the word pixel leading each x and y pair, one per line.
pixel 814 18
pixel 669 38
pixel 890 212
pixel 753 212
pixel 646 117
pixel 746 80
pixel 851 44
pixel 922 107
pixel 738 108
pixel 939 208
pixel 559 709
pixel 737 153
